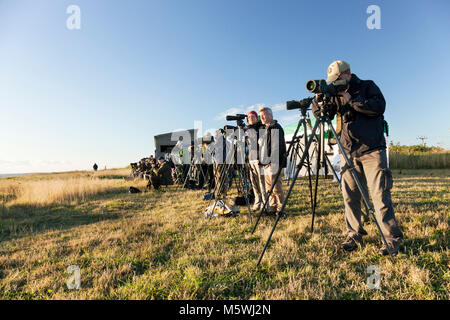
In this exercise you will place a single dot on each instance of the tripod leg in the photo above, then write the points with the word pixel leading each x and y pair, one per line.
pixel 217 189
pixel 296 155
pixel 366 215
pixel 315 150
pixel 183 171
pixel 246 180
pixel 187 176
pixel 268 240
pixel 291 158
pixel 308 165
pixel 268 194
pixel 201 174
pixel 360 187
pixel 310 183
pixel 334 171
pixel 297 171
pixel 319 145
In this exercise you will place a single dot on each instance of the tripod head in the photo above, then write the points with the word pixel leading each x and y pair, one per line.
pixel 325 105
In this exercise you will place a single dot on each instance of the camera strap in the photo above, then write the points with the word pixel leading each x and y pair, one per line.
pixel 338 117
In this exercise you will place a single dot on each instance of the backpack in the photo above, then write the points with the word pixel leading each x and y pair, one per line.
pixel 134 190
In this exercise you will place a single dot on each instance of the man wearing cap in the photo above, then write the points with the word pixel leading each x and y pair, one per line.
pixel 256 178
pixel 276 152
pixel 360 111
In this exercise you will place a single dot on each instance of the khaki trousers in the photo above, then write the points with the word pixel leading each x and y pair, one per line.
pixel 277 197
pixel 373 173
pixel 258 183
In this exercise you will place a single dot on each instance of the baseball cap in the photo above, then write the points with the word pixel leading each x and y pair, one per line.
pixel 336 68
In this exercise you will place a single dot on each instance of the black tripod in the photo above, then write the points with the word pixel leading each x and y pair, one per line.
pixel 319 123
pixel 195 173
pixel 226 172
pixel 293 149
pixel 322 160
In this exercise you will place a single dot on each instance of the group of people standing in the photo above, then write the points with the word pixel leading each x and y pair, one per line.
pixel 263 174
pixel 360 109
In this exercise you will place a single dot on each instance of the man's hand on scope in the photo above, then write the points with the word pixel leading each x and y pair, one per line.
pixel 346 97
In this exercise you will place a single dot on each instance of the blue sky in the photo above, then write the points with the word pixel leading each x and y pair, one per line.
pixel 135 69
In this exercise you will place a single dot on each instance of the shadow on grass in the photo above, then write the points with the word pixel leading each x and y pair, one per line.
pixel 418 180
pixel 416 246
pixel 421 205
pixel 113 177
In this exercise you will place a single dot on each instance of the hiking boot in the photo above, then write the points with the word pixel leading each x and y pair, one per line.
pixel 350 244
pixel 393 247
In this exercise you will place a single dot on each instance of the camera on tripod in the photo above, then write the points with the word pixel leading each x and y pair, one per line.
pixel 236 117
pixel 227 127
pixel 302 104
pixel 321 86
pixel 325 91
pixel 239 118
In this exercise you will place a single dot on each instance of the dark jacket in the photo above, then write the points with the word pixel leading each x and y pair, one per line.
pixel 165 173
pixel 363 121
pixel 253 137
pixel 281 142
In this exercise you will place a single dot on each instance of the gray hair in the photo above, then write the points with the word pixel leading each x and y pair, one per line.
pixel 266 109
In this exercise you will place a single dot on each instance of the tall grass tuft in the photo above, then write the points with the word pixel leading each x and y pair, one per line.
pixel 57 191
pixel 419 161
pixel 418 157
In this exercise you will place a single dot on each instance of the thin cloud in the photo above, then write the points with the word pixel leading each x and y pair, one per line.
pixel 255 107
pixel 279 107
pixel 231 111
pixel 292 117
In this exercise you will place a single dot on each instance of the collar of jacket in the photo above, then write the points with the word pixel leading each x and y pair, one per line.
pixel 354 79
pixel 255 125
pixel 272 124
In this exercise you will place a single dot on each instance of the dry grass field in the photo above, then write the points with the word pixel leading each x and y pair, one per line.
pixel 158 245
pixel 418 157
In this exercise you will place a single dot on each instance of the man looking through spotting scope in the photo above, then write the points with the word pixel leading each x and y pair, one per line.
pixel 272 156
pixel 360 128
pixel 256 177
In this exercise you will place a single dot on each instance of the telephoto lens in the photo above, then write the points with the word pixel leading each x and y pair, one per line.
pixel 315 86
pixel 321 86
pixel 294 104
pixel 236 117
